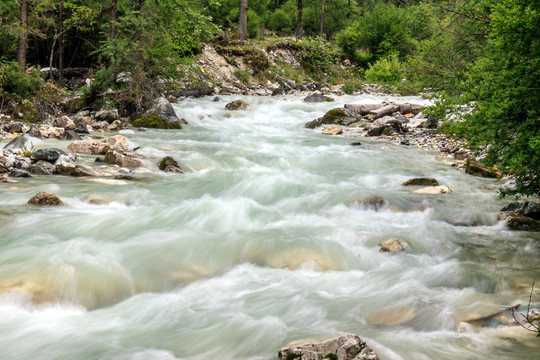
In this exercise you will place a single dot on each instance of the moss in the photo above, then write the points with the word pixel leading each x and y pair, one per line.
pixel 155 122
pixel 334 116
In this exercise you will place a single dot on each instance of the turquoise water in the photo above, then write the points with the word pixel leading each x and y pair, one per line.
pixel 258 244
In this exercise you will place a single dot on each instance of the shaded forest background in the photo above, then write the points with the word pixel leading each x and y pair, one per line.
pixel 478 59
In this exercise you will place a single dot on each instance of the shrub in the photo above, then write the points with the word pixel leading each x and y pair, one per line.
pixel 351 87
pixel 386 70
pixel 317 54
pixel 12 81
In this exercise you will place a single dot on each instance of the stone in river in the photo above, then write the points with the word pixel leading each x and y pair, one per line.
pixel 114 157
pixel 393 315
pixel 313 123
pixel 237 105
pixel 423 181
pixel 168 164
pixel 476 169
pixel 345 347
pixel 43 167
pixel 316 98
pixel 46 154
pixel 393 245
pixel 89 147
pixel 369 201
pixel 332 130
pixel 443 189
pixel 19 173
pixel 45 198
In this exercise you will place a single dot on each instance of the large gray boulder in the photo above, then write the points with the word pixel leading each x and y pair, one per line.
pixel 341 116
pixel 523 216
pixel 163 109
pixel 346 347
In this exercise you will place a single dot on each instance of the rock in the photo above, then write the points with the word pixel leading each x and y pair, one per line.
pixel 313 123
pixel 345 347
pixel 375 130
pixel 51 132
pixel 237 105
pixel 374 202
pixel 423 181
pixel 378 127
pixel 45 198
pixel 19 142
pixel 356 143
pixel 89 147
pixel 317 98
pixel 430 123
pixel 100 125
pixel 64 122
pixel 228 91
pixel 34 132
pixel 19 173
pixel 278 91
pixel 70 135
pixel 392 245
pixel 72 103
pixel 118 143
pixel 523 216
pixel 43 167
pixel 340 116
pixel 199 92
pixel 107 115
pixel 15 127
pixel 65 165
pixel 333 130
pixel 114 157
pixel 83 170
pixel 161 115
pixel 443 189
pixel 393 315
pixel 46 154
pixel 363 109
pixel 474 168
pixel 168 164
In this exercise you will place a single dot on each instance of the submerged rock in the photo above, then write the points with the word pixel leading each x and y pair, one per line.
pixel 237 105
pixel 370 201
pixel 423 181
pixel 317 98
pixel 45 198
pixel 168 164
pixel 313 123
pixel 443 189
pixel 393 315
pixel 393 245
pixel 114 157
pixel 523 216
pixel 345 347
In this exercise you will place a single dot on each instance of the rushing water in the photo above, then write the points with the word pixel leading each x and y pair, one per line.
pixel 258 244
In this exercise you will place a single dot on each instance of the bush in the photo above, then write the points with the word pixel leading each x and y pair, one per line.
pixel 386 70
pixel 12 81
pixel 254 24
pixel 351 87
pixel 317 55
pixel 280 20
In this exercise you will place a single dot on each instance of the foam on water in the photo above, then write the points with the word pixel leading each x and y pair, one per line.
pixel 262 241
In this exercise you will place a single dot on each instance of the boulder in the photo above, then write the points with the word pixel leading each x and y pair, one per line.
pixel 89 147
pixel 107 115
pixel 18 143
pixel 374 202
pixel 114 157
pixel 51 132
pixel 333 130
pixel 45 198
pixel 168 164
pixel 340 116
pixel 313 123
pixel 70 135
pixel 46 154
pixel 19 173
pixel 317 98
pixel 423 181
pixel 228 91
pixel 523 216
pixel 15 127
pixel 64 122
pixel 162 114
pixel 118 143
pixel 345 347
pixel 43 167
pixel 237 105
pixel 65 165
pixel 476 169
pixel 116 125
pixel 83 170
pixel 278 91
pixel 100 125
pixel 393 245
pixel 442 189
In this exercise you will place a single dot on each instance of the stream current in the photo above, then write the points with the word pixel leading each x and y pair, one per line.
pixel 260 243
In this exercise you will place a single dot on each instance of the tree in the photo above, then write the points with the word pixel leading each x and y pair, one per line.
pixel 23 36
pixel 299 32
pixel 242 20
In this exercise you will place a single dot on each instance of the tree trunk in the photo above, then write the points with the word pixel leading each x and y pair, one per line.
pixel 51 57
pixel 23 36
pixel 322 18
pixel 261 32
pixel 61 40
pixel 299 31
pixel 114 18
pixel 242 20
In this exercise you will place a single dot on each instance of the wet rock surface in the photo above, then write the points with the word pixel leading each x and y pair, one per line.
pixel 45 198
pixel 237 105
pixel 524 216
pixel 346 347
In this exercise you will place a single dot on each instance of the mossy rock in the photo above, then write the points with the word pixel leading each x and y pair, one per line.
pixel 155 122
pixel 340 116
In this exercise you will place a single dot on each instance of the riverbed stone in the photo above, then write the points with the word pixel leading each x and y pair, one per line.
pixel 237 105
pixel 423 181
pixel 432 190
pixel 108 115
pixel 71 135
pixel 345 347
pixel 393 245
pixel 341 116
pixel 43 167
pixel 19 173
pixel 114 157
pixel 317 98
pixel 169 164
pixel 313 123
pixel 333 130
pixel 46 154
pixel 524 216
pixel 15 127
pixel 89 147
pixel 64 122
pixel 477 169
pixel 45 198
pixel 370 201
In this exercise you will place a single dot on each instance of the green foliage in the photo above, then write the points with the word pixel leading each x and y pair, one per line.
pixel 386 70
pixel 317 55
pixel 242 76
pixel 254 24
pixel 283 19
pixel 353 86
pixel 258 61
pixel 12 81
pixel 498 105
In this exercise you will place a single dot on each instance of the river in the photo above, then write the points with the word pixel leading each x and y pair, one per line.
pixel 260 243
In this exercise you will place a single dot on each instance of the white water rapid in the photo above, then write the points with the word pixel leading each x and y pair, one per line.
pixel 258 244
